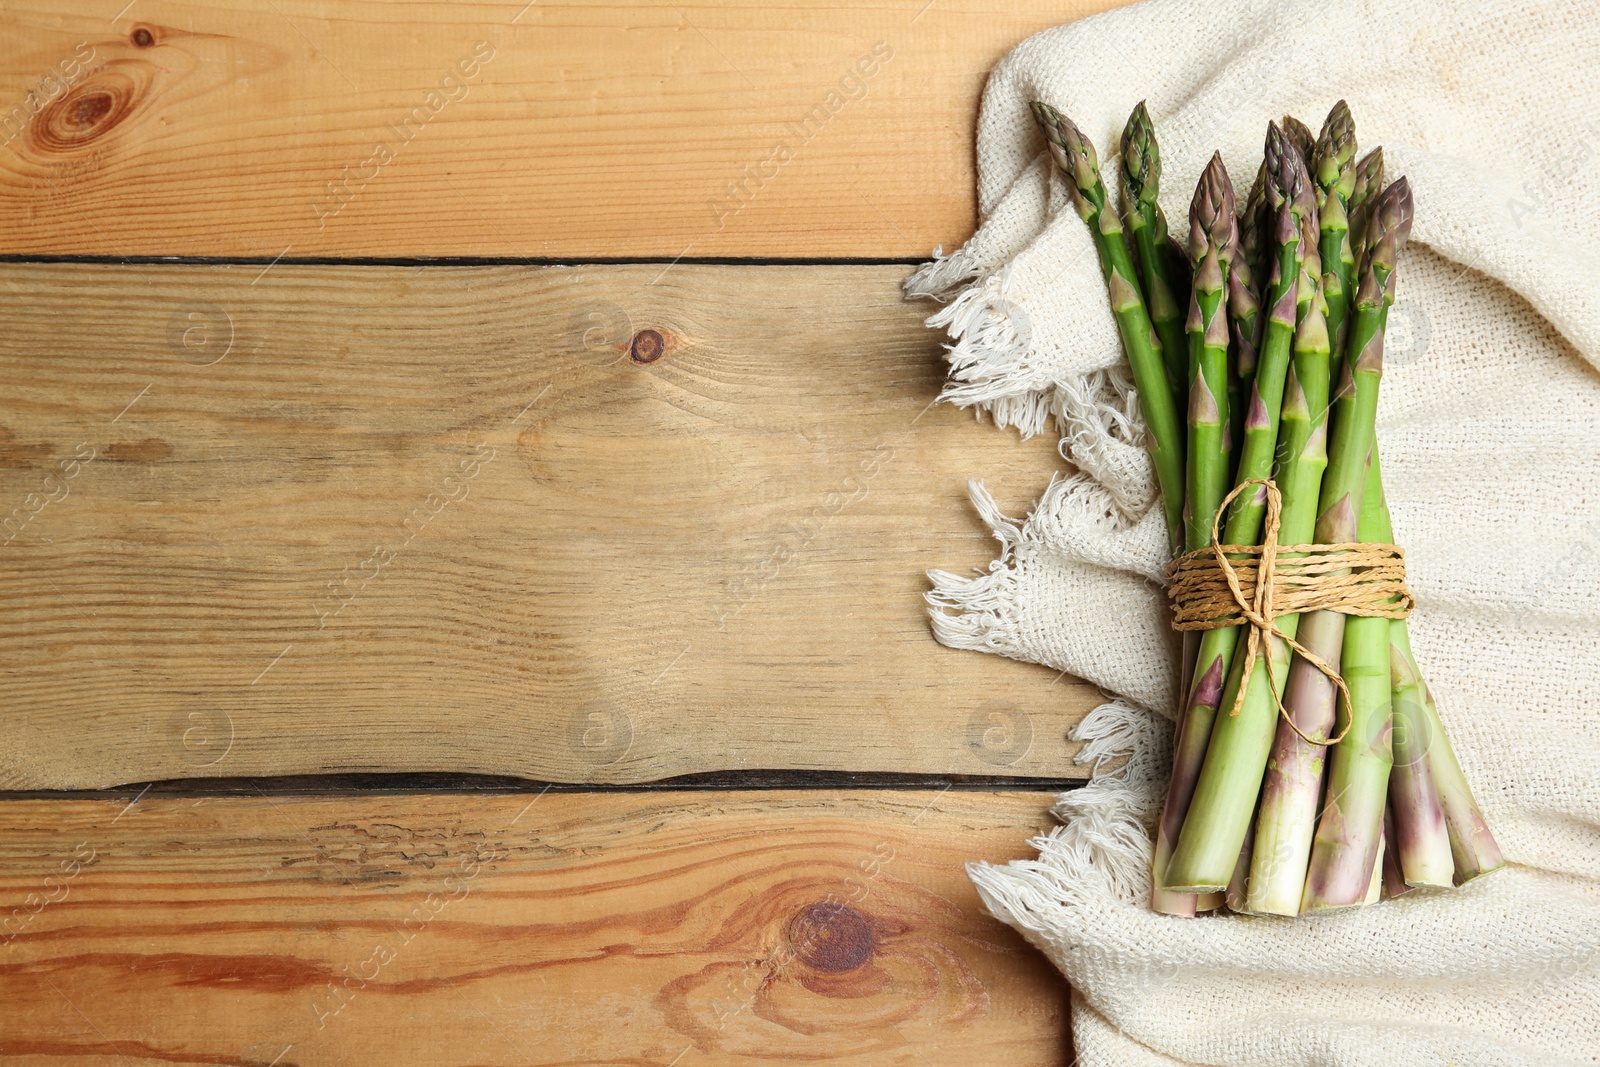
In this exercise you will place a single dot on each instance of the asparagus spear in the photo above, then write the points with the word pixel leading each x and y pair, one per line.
pixel 1347 857
pixel 1246 273
pixel 1255 225
pixel 1423 748
pixel 1212 239
pixel 1309 695
pixel 1416 830
pixel 1428 779
pixel 1334 170
pixel 1141 178
pixel 1471 843
pixel 1206 853
pixel 1302 456
pixel 1294 769
pixel 1366 183
pixel 1076 158
pixel 1358 773
pixel 1300 135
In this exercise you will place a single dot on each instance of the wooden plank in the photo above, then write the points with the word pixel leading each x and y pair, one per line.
pixel 330 519
pixel 661 928
pixel 644 128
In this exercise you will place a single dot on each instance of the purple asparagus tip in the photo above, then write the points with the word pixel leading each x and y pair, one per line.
pixel 1073 152
pixel 1211 213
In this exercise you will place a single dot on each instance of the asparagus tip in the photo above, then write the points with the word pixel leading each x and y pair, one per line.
pixel 1301 137
pixel 1288 181
pixel 1212 224
pixel 1335 151
pixel 1369 173
pixel 1072 151
pixel 1388 228
pixel 1141 156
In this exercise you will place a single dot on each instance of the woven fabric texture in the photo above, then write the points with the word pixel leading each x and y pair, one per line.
pixel 1490 427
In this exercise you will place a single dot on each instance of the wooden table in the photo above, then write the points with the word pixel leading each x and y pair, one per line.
pixel 467 473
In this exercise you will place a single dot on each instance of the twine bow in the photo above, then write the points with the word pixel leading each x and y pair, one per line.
pixel 1353 579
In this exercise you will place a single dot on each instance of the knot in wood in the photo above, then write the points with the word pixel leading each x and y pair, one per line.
pixel 85 113
pixel 647 346
pixel 830 937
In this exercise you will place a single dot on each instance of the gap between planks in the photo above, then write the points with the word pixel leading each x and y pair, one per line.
pixel 328 785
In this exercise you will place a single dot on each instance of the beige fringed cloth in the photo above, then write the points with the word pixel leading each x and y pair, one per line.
pixel 1490 423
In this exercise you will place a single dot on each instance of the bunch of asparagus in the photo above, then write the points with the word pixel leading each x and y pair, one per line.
pixel 1277 367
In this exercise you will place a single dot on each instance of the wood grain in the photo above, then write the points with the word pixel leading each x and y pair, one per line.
pixel 601 524
pixel 645 128
pixel 658 929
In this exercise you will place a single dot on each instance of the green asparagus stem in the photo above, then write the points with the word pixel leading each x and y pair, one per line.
pixel 1347 830
pixel 1212 236
pixel 1471 844
pixel 1417 834
pixel 1420 836
pixel 1209 845
pixel 1141 180
pixel 1428 752
pixel 1245 278
pixel 1428 795
pixel 1346 858
pixel 1309 696
pixel 1293 776
pixel 1334 170
pixel 1212 239
pixel 1075 157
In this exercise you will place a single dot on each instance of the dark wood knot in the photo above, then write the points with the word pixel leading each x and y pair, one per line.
pixel 830 937
pixel 88 111
pixel 647 346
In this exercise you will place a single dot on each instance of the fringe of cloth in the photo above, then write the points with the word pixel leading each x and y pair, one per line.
pixel 1103 844
pixel 1105 835
pixel 979 613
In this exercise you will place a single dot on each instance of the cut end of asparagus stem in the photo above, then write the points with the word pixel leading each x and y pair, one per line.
pixel 1394 883
pixel 1237 896
pixel 1141 157
pixel 1472 846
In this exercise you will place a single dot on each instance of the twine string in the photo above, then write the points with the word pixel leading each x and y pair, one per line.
pixel 1208 590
